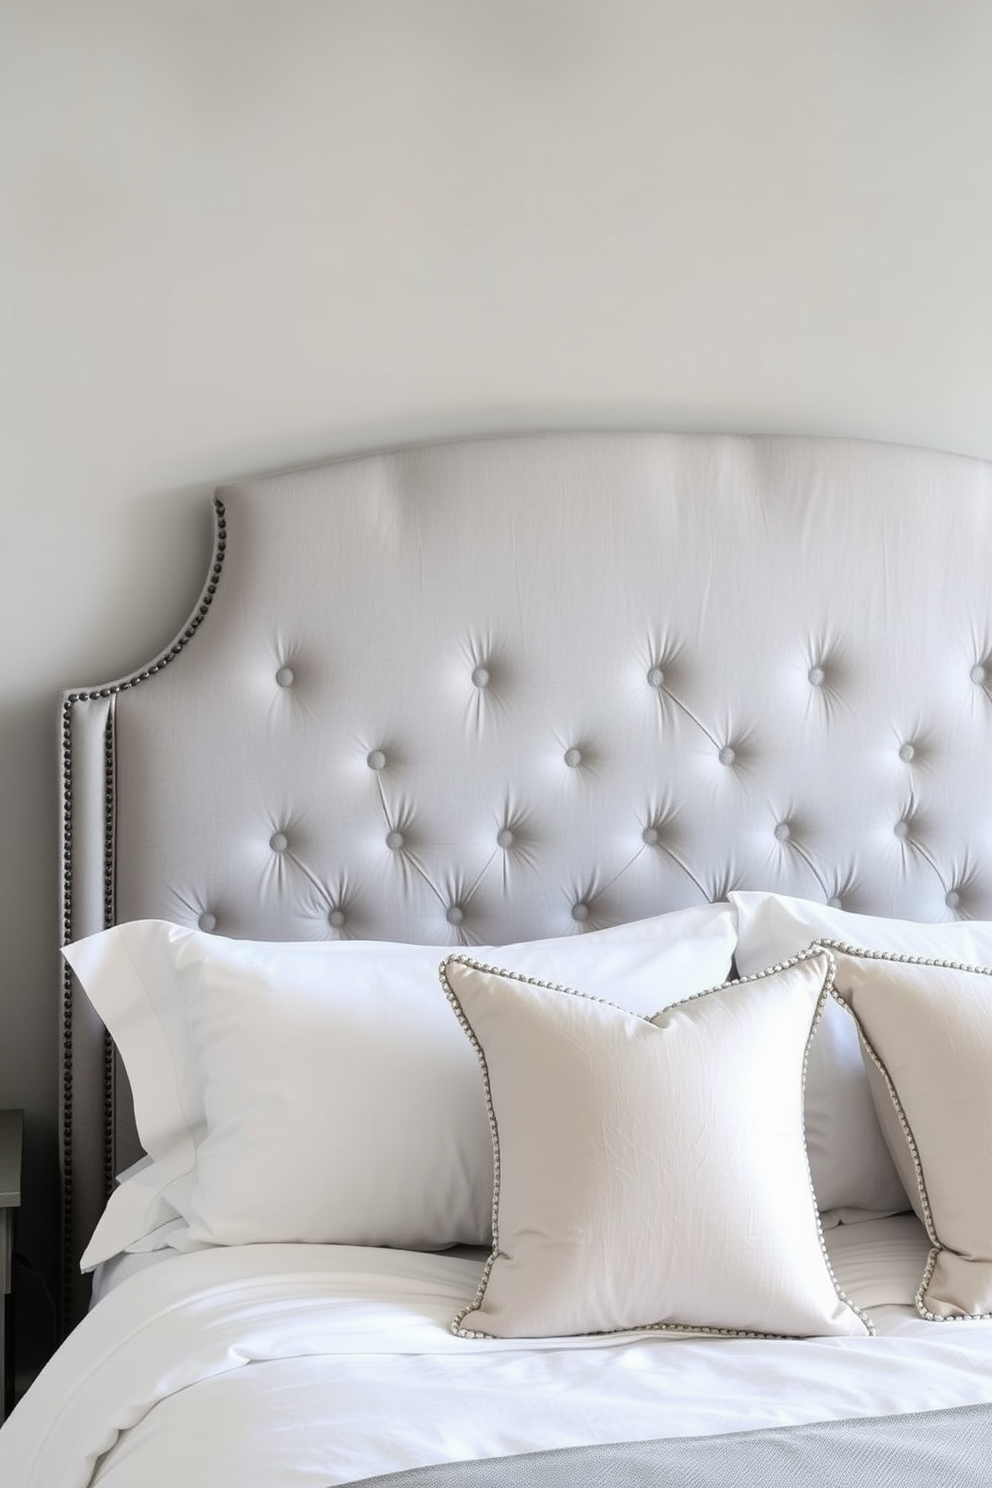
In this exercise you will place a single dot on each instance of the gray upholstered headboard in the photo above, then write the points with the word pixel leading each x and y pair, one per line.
pixel 499 689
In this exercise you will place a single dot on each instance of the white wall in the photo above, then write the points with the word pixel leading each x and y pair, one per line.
pixel 238 234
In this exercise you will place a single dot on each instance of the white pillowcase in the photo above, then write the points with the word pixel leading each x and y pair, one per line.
pixel 649 1172
pixel 928 1028
pixel 773 926
pixel 322 1091
pixel 851 1166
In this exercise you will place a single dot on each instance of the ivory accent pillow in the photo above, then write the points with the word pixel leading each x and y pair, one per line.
pixel 321 1090
pixel 649 1172
pixel 927 1027
pixel 851 1166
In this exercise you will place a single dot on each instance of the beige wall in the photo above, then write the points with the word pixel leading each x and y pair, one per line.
pixel 237 234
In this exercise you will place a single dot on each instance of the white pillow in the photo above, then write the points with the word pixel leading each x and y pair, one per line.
pixel 851 1165
pixel 773 926
pixel 649 1172
pixel 928 1031
pixel 375 1078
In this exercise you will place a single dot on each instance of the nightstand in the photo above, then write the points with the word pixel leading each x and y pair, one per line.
pixel 11 1139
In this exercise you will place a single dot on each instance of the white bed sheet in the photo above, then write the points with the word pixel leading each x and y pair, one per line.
pixel 319 1364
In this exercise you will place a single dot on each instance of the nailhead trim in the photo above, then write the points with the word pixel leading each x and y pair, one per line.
pixel 109 916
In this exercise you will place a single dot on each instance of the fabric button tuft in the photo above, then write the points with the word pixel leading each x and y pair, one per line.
pixel 656 677
pixel 580 911
pixel 835 902
pixel 901 829
pixel 207 923
pixel 727 755
pixel 285 676
pixel 952 899
pixel 454 914
pixel 279 842
pixel 573 757
pixel 376 760
pixel 650 836
pixel 907 752
pixel 979 675
pixel 481 677
pixel 394 840
pixel 336 918
pixel 783 831
pixel 504 837
pixel 816 676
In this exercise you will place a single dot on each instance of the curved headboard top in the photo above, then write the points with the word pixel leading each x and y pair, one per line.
pixel 499 689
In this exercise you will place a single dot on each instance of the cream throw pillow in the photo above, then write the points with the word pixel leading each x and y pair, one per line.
pixel 927 1026
pixel 649 1172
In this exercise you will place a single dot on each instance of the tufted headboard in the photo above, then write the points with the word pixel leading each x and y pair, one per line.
pixel 520 687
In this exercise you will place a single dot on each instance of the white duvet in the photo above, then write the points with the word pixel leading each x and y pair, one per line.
pixel 315 1365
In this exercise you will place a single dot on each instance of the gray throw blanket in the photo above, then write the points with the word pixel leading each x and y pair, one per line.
pixel 931 1449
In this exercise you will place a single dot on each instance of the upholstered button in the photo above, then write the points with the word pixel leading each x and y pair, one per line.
pixel 783 831
pixel 454 914
pixel 906 753
pixel 376 760
pixel 285 676
pixel 504 837
pixel 952 899
pixel 835 902
pixel 650 836
pixel 901 830
pixel 656 677
pixel 207 923
pixel 979 675
pixel 573 757
pixel 336 918
pixel 278 842
pixel 727 755
pixel 480 677
pixel 580 911
pixel 816 676
pixel 394 840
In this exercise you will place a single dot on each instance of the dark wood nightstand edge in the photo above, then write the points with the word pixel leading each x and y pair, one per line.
pixel 11 1144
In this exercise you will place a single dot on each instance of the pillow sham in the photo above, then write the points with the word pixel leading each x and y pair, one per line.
pixel 851 1165
pixel 927 1027
pixel 649 1172
pixel 772 927
pixel 334 1057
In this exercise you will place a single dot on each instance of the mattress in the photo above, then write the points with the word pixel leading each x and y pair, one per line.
pixel 270 1364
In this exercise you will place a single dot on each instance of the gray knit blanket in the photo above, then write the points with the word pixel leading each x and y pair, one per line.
pixel 932 1449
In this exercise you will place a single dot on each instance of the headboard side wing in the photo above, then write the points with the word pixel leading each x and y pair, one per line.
pixel 97 1134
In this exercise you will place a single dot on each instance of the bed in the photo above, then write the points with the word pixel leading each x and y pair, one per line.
pixel 540 905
